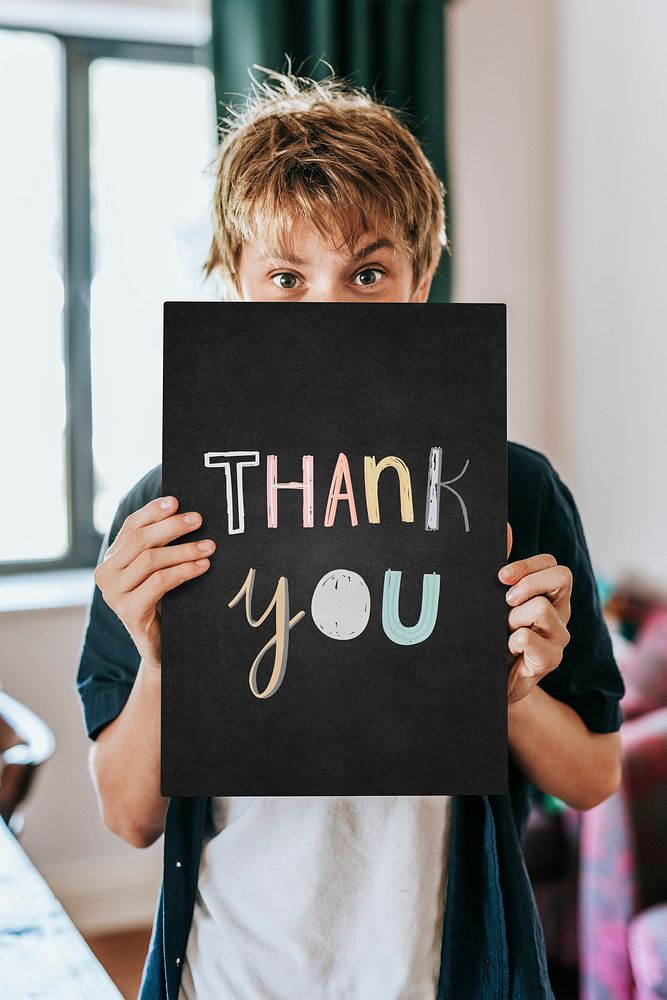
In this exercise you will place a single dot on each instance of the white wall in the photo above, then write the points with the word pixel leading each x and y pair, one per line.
pixel 558 145
pixel 502 102
pixel 612 372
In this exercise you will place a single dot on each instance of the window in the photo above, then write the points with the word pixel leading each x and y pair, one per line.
pixel 33 498
pixel 104 215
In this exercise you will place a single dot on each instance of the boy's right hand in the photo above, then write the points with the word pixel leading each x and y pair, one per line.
pixel 140 567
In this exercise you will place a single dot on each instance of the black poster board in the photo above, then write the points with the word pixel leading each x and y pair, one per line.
pixel 284 424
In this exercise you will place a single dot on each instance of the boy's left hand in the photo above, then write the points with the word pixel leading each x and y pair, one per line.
pixel 539 601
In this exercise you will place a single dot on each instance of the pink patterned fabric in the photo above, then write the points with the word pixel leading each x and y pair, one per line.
pixel 552 841
pixel 647 942
pixel 644 668
pixel 623 871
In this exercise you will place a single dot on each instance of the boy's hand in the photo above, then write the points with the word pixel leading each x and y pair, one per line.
pixel 140 567
pixel 539 599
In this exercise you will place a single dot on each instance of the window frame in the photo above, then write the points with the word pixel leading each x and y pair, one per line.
pixel 77 54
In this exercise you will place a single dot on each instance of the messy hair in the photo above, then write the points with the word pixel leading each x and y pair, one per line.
pixel 319 151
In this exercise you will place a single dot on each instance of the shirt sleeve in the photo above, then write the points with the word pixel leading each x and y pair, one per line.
pixel 588 677
pixel 109 660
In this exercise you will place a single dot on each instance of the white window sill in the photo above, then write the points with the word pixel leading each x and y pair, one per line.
pixel 64 588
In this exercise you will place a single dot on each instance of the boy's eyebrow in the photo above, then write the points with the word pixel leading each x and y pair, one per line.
pixel 384 243
pixel 380 244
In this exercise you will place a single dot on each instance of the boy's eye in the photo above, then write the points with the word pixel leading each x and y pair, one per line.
pixel 285 279
pixel 368 276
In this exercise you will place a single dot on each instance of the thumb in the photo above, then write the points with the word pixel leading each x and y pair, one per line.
pixel 509 539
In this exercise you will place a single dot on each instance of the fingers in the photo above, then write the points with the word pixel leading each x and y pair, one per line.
pixel 150 535
pixel 142 548
pixel 554 583
pixel 156 586
pixel 540 615
pixel 539 654
pixel 156 510
pixel 152 560
pixel 539 600
pixel 140 567
pixel 515 571
pixel 509 539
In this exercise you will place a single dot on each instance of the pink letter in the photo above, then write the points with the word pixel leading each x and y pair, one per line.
pixel 272 487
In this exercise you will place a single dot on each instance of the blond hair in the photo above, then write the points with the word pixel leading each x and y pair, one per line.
pixel 320 151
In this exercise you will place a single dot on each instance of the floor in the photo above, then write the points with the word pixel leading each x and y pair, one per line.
pixel 122 955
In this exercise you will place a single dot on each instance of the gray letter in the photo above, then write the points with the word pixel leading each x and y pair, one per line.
pixel 433 491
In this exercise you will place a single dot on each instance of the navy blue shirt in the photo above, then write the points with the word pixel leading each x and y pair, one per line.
pixel 492 942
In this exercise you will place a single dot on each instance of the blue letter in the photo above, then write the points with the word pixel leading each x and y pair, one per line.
pixel 391 622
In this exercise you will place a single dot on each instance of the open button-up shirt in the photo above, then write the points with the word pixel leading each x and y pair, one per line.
pixel 492 942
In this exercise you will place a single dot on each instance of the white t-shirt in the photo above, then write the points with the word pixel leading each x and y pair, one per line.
pixel 320 897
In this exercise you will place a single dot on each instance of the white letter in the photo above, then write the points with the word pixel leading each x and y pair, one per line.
pixel 225 460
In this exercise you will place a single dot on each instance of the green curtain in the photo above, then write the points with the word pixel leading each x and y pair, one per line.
pixel 394 48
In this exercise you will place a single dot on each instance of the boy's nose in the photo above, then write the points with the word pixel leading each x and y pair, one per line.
pixel 328 292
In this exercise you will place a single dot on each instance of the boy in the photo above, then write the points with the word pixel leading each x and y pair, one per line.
pixel 322 194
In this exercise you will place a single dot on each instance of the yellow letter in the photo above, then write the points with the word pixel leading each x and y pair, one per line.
pixel 280 640
pixel 372 474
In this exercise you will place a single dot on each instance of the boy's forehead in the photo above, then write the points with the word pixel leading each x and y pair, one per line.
pixel 304 241
pixel 293 254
